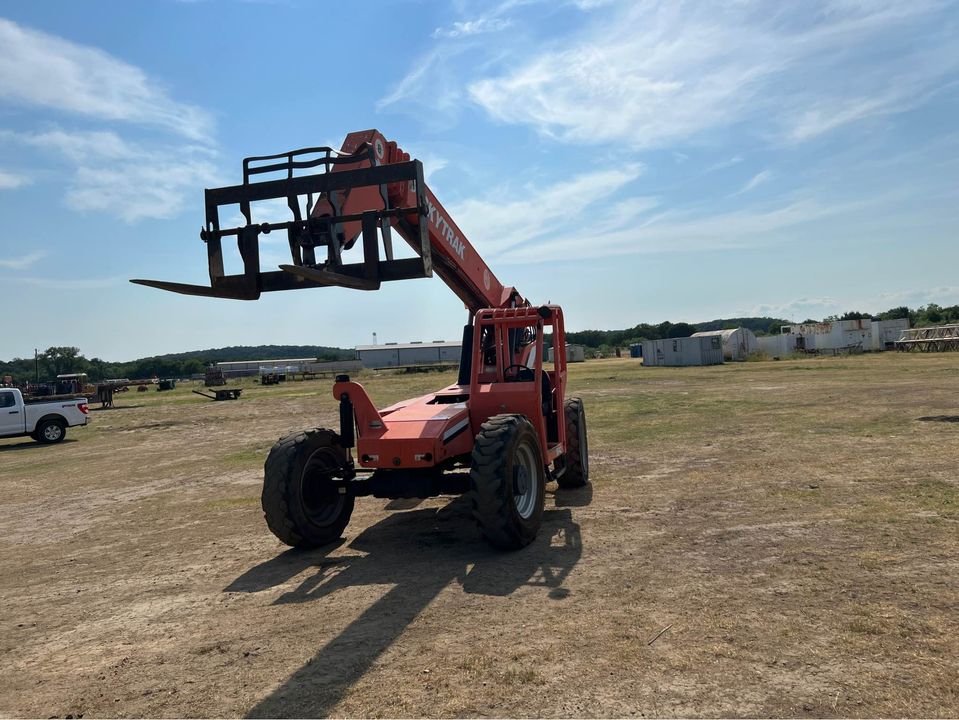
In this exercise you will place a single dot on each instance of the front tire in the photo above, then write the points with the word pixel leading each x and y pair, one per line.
pixel 577 451
pixel 50 432
pixel 508 481
pixel 305 499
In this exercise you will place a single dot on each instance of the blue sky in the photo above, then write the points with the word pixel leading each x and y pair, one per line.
pixel 632 161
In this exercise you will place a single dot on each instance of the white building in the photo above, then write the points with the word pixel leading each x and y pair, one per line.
pixel 738 343
pixel 438 352
pixel 885 333
pixel 834 337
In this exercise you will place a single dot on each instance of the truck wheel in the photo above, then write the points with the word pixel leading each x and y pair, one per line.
pixel 577 452
pixel 50 431
pixel 508 481
pixel 303 504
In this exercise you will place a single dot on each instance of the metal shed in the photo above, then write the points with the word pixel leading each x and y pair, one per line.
pixel 738 343
pixel 683 351
pixel 409 354
pixel 574 353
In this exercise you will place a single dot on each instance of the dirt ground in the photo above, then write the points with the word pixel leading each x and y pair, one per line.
pixel 760 539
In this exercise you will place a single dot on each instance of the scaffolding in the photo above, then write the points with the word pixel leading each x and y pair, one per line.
pixel 941 338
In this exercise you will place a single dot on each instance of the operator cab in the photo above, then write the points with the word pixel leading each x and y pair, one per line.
pixel 509 351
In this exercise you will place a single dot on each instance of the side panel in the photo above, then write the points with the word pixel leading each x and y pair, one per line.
pixel 68 411
pixel 11 413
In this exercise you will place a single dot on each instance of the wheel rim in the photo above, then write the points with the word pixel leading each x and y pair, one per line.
pixel 526 479
pixel 52 432
pixel 321 500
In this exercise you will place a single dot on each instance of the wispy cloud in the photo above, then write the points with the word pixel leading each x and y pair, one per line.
pixel 754 182
pixel 479 26
pixel 41 70
pixel 817 308
pixel 125 179
pixel 653 73
pixel 678 232
pixel 148 178
pixel 493 18
pixel 23 262
pixel 431 83
pixel 592 4
pixel 500 226
pixel 74 283
pixel 722 165
pixel 915 297
pixel 10 181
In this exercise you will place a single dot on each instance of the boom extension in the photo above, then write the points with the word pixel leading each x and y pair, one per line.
pixel 367 189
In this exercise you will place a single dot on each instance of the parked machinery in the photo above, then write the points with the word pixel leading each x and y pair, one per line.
pixel 501 432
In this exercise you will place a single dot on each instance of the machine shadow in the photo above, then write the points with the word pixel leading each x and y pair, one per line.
pixel 419 553
pixel 28 444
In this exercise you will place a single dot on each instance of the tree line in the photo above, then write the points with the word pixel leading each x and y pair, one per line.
pixel 58 360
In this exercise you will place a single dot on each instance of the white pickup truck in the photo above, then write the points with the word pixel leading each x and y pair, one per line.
pixel 44 419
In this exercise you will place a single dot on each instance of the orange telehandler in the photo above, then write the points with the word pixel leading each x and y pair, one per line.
pixel 507 419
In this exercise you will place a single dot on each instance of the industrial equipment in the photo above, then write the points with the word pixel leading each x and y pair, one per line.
pixel 221 393
pixel 501 432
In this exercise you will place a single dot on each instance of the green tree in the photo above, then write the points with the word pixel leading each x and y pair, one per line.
pixel 62 359
pixel 896 313
pixel 680 330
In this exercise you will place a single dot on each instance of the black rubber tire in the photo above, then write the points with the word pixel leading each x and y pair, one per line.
pixel 576 459
pixel 504 444
pixel 49 432
pixel 301 505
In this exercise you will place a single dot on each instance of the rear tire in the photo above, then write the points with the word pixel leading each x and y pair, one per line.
pixel 508 482
pixel 302 502
pixel 577 451
pixel 50 432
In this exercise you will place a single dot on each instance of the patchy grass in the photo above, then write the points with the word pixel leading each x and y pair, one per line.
pixel 793 524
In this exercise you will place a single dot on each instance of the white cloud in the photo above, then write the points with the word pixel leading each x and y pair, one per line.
pixel 636 233
pixel 478 26
pixel 500 226
pixel 916 297
pixel 431 88
pixel 735 160
pixel 41 70
pixel 122 178
pixel 433 162
pixel 655 73
pixel 10 181
pixel 592 4
pixel 754 182
pixel 817 308
pixel 136 191
pixel 20 263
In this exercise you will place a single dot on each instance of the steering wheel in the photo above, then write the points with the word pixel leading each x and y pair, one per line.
pixel 518 373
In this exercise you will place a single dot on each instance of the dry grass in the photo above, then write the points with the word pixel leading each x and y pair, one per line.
pixel 794 523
